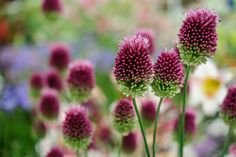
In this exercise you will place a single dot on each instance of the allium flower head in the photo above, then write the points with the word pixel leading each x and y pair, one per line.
pixel 148 112
pixel 36 83
pixel 55 152
pixel 129 142
pixel 105 135
pixel 49 104
pixel 53 80
pixel 124 116
pixel 190 123
pixel 149 34
pixel 93 109
pixel 51 6
pixel 197 36
pixel 80 79
pixel 168 74
pixel 59 57
pixel 133 66
pixel 228 108
pixel 76 128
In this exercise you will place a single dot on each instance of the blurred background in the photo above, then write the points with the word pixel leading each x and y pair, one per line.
pixel 92 30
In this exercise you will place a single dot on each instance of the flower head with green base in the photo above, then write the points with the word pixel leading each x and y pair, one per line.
pixel 197 36
pixel 133 66
pixel 124 116
pixel 36 84
pixel 77 129
pixel 168 74
pixel 228 108
pixel 129 143
pixel 148 112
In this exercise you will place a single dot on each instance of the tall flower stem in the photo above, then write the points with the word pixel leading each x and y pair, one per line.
pixel 141 127
pixel 227 142
pixel 155 128
pixel 182 120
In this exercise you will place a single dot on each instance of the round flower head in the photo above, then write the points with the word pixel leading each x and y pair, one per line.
pixel 55 152
pixel 124 116
pixel 190 124
pixel 104 135
pixel 80 79
pixel 49 104
pixel 149 34
pixel 228 108
pixel 51 6
pixel 168 74
pixel 129 142
pixel 59 57
pixel 76 128
pixel 93 109
pixel 53 80
pixel 133 66
pixel 197 36
pixel 36 84
pixel 39 128
pixel 148 112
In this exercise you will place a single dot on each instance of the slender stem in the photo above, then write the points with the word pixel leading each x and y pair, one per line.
pixel 85 153
pixel 155 128
pixel 227 142
pixel 141 127
pixel 182 120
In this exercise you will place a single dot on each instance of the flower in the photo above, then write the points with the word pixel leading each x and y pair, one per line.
pixel 76 128
pixel 149 34
pixel 207 87
pixel 40 128
pixel 124 116
pixel 36 82
pixel 105 135
pixel 49 104
pixel 148 112
pixel 51 6
pixel 197 36
pixel 53 80
pixel 59 57
pixel 228 107
pixel 129 142
pixel 168 74
pixel 55 152
pixel 80 79
pixel 93 109
pixel 133 66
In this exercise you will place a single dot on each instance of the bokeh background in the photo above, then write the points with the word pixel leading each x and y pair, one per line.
pixel 92 29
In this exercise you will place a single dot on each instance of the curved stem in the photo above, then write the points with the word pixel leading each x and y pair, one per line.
pixel 141 127
pixel 155 128
pixel 182 120
pixel 227 142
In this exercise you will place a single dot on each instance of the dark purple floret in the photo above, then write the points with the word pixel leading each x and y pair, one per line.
pixel 51 6
pixel 37 81
pixel 55 152
pixel 53 80
pixel 149 34
pixel 130 142
pixel 148 110
pixel 59 57
pixel 133 65
pixel 49 104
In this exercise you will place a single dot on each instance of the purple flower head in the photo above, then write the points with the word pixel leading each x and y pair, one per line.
pixel 36 82
pixel 53 80
pixel 40 128
pixel 59 57
pixel 190 123
pixel 51 6
pixel 148 112
pixel 80 79
pixel 105 135
pixel 49 104
pixel 149 34
pixel 93 110
pixel 197 36
pixel 133 66
pixel 124 116
pixel 77 128
pixel 55 152
pixel 130 142
pixel 168 74
pixel 228 108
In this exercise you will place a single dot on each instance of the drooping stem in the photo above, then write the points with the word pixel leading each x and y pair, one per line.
pixel 227 142
pixel 155 128
pixel 141 127
pixel 182 120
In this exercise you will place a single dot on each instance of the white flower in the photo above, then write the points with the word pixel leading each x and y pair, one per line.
pixel 208 87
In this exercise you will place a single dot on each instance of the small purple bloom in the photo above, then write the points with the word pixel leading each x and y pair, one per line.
pixel 129 142
pixel 55 152
pixel 149 34
pixel 53 80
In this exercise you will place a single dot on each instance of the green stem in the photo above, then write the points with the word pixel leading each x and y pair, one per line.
pixel 155 128
pixel 182 120
pixel 141 127
pixel 227 142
